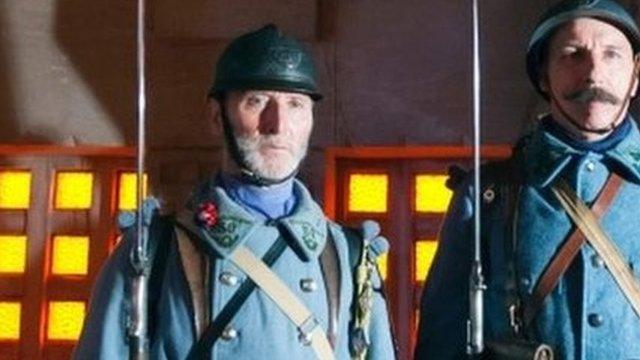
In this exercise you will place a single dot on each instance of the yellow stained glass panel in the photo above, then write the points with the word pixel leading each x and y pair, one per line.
pixel 368 193
pixel 74 190
pixel 425 251
pixel 383 261
pixel 15 189
pixel 127 187
pixel 65 320
pixel 9 320
pixel 432 195
pixel 70 255
pixel 13 254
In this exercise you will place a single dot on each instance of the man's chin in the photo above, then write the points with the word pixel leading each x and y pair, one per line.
pixel 274 175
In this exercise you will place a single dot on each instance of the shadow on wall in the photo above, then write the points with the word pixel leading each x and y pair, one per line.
pixel 99 40
pixel 8 116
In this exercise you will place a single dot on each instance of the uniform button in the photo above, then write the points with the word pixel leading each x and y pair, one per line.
pixel 489 195
pixel 308 285
pixel 590 166
pixel 525 282
pixel 597 261
pixel 595 320
pixel 229 333
pixel 228 278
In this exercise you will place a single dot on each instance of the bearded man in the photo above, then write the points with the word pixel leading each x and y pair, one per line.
pixel 252 269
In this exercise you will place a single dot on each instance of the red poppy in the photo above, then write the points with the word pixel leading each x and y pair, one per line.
pixel 207 214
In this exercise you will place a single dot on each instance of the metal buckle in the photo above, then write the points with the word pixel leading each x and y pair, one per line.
pixel 307 327
pixel 514 318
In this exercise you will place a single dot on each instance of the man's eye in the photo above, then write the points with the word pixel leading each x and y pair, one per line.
pixel 296 104
pixel 573 53
pixel 255 100
pixel 611 54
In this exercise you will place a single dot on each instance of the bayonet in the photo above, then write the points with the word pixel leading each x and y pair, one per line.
pixel 475 323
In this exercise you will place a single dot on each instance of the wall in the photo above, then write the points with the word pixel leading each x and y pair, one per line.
pixel 394 73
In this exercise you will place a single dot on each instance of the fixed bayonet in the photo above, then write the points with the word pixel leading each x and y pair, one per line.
pixel 138 337
pixel 475 323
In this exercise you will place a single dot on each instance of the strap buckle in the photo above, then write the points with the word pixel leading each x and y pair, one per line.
pixel 306 330
pixel 515 319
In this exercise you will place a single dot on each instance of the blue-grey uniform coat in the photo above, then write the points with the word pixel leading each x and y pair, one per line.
pixel 261 330
pixel 586 316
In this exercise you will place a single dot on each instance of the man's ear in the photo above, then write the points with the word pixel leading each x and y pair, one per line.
pixel 214 113
pixel 636 75
pixel 543 82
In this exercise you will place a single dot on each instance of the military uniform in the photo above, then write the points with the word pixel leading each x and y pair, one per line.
pixel 259 329
pixel 586 316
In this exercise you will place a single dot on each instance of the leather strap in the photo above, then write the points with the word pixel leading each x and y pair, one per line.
pixel 289 304
pixel 563 258
pixel 331 274
pixel 603 245
pixel 196 270
pixel 202 348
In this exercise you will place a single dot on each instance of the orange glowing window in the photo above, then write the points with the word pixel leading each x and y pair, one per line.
pixel 65 320
pixel 70 255
pixel 425 251
pixel 15 189
pixel 432 195
pixel 368 193
pixel 74 190
pixel 127 188
pixel 383 262
pixel 13 254
pixel 9 320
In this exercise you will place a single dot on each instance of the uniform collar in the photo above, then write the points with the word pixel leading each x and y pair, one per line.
pixel 233 225
pixel 547 155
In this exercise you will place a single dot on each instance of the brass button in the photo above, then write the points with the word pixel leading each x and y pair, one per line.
pixel 308 285
pixel 228 278
pixel 229 333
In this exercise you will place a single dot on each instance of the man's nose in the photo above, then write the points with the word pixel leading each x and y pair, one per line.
pixel 593 68
pixel 271 118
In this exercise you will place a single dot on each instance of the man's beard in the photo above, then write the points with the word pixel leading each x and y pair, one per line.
pixel 276 167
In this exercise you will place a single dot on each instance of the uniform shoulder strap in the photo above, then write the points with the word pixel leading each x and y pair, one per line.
pixel 160 238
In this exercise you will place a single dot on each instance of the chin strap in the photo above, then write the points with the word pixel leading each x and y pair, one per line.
pixel 625 103
pixel 245 170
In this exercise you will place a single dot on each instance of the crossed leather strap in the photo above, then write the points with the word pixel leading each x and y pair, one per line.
pixel 563 258
pixel 258 270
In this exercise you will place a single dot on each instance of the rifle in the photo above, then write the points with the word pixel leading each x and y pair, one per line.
pixel 138 322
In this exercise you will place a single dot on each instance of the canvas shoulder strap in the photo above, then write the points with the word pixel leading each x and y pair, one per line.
pixel 196 267
pixel 309 327
pixel 589 225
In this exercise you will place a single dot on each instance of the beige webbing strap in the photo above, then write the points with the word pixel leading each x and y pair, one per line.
pixel 600 241
pixel 310 330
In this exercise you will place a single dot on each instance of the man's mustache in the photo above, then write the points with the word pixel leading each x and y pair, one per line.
pixel 592 94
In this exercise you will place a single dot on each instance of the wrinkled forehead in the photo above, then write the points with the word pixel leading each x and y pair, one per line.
pixel 587 31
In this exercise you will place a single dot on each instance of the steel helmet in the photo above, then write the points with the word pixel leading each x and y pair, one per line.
pixel 608 11
pixel 265 60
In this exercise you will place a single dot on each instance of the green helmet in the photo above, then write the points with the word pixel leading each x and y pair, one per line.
pixel 608 11
pixel 265 60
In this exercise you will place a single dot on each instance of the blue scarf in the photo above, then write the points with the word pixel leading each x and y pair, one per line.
pixel 599 146
pixel 265 202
